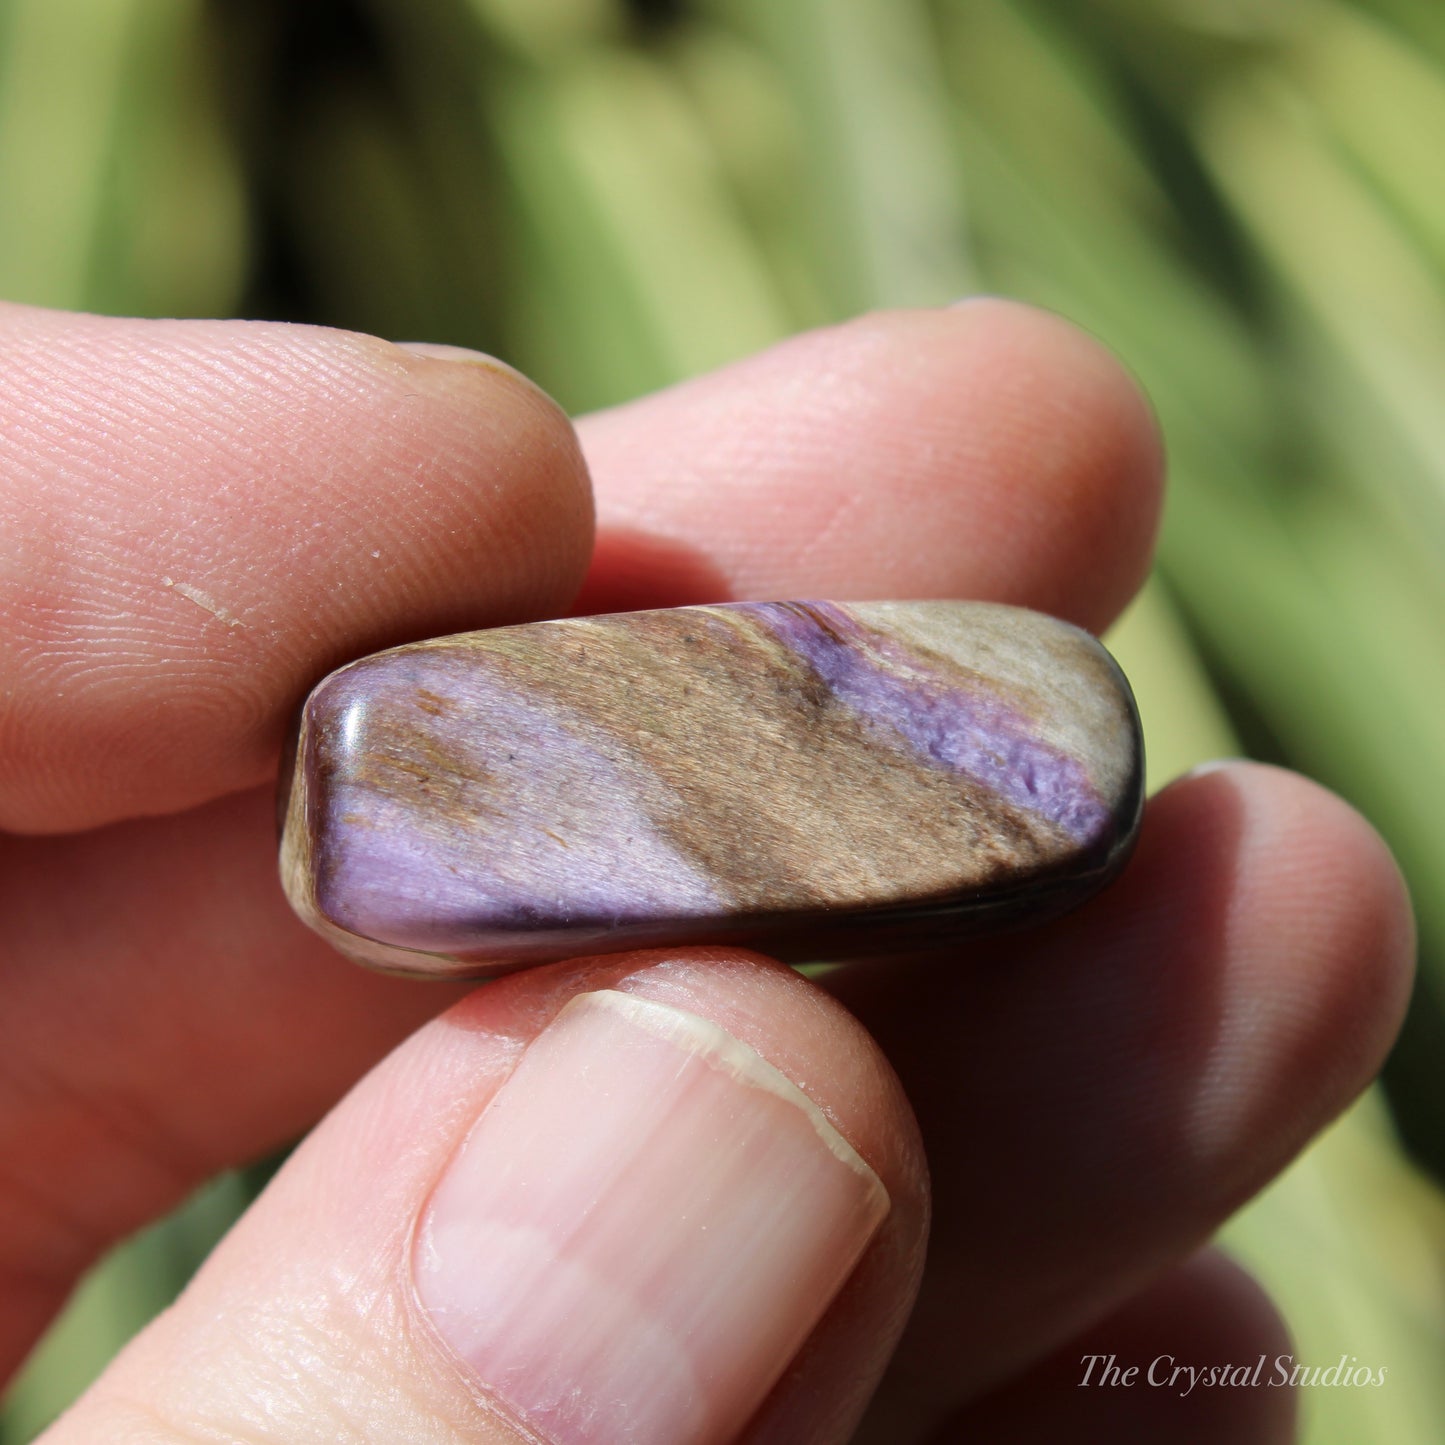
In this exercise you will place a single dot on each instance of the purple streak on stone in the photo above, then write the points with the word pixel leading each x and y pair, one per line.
pixel 961 728
pixel 399 868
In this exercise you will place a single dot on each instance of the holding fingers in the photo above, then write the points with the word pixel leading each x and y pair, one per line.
pixel 188 1021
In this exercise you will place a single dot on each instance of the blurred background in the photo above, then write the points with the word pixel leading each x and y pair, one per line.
pixel 1244 198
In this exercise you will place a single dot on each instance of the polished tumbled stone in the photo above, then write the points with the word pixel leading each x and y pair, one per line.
pixel 812 779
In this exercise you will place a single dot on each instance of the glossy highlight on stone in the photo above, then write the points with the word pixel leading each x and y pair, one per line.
pixel 817 780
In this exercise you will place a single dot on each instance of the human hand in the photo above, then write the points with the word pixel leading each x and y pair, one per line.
pixel 202 518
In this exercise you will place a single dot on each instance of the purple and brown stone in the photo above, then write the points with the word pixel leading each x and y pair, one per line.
pixel 816 780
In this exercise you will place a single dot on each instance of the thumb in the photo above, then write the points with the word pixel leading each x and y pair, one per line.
pixel 652 1198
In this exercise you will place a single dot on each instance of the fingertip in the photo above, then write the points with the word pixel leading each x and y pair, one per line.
pixel 204 517
pixel 464 452
pixel 780 1017
pixel 549 519
pixel 1095 451
pixel 987 450
pixel 1149 1062
pixel 1319 902
pixel 653 1195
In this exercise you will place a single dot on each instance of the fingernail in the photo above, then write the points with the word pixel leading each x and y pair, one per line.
pixel 641 1229
pixel 1214 765
pixel 440 351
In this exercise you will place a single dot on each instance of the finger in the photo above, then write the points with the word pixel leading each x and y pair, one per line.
pixel 988 450
pixel 197 519
pixel 219 971
pixel 165 1016
pixel 1098 1096
pixel 604 1201
pixel 1201 1355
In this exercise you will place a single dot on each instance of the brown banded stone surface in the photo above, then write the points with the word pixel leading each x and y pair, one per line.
pixel 813 779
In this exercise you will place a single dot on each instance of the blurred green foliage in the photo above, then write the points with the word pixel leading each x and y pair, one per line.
pixel 1242 197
